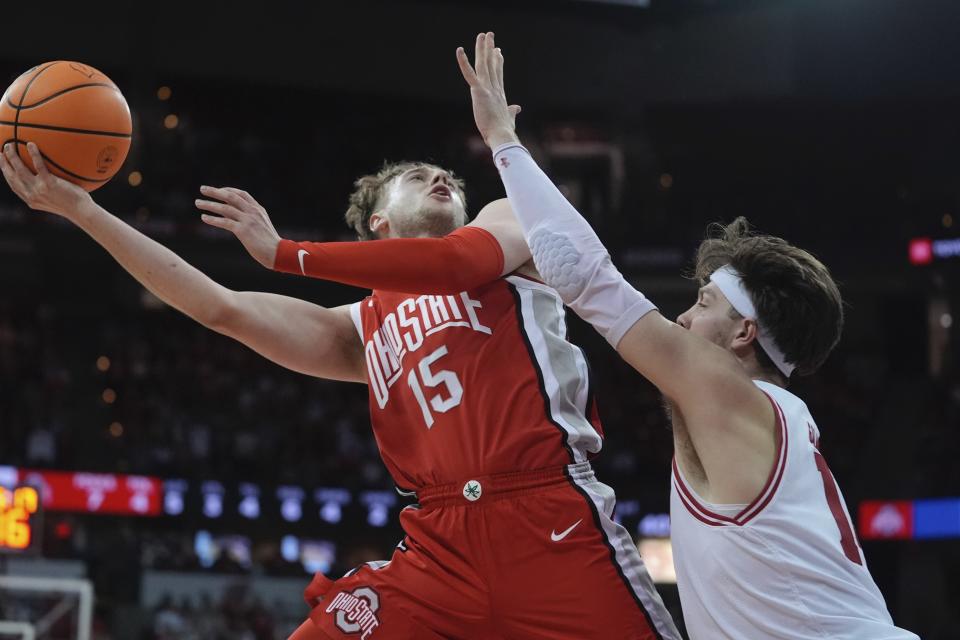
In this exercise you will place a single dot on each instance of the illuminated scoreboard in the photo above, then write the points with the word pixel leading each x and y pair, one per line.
pixel 20 526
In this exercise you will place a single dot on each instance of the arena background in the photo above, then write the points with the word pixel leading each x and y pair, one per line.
pixel 833 124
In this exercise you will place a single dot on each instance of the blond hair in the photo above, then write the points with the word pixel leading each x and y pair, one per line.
pixel 369 189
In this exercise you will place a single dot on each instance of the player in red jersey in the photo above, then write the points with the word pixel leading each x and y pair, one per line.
pixel 479 406
pixel 476 399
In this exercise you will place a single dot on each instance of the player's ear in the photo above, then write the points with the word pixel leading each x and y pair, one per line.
pixel 745 334
pixel 379 225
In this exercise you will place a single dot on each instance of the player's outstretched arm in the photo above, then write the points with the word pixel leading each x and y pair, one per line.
pixel 567 252
pixel 295 334
pixel 490 246
pixel 706 382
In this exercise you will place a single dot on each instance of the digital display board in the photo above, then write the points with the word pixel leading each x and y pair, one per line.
pixel 19 519
pixel 218 504
pixel 95 492
pixel 929 519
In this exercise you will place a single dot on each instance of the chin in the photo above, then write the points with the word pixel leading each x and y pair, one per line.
pixel 445 215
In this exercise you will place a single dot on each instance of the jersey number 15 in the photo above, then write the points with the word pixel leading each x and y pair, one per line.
pixel 422 377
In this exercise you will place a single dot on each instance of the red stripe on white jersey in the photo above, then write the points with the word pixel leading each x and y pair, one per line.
pixel 702 513
pixel 689 503
pixel 766 495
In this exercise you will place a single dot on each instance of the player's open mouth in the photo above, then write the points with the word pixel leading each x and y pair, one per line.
pixel 440 192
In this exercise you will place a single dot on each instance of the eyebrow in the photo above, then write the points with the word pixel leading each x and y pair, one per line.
pixel 422 169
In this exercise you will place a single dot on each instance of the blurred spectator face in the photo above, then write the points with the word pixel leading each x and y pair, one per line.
pixel 420 202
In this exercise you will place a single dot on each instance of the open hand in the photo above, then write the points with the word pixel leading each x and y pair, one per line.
pixel 496 120
pixel 240 214
pixel 42 191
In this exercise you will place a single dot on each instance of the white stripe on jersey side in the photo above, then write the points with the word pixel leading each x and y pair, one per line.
pixel 583 393
pixel 626 554
pixel 562 365
pixel 357 322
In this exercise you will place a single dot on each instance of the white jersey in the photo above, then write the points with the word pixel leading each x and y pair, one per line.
pixel 788 564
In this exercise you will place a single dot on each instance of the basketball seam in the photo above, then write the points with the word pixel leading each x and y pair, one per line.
pixel 71 173
pixel 50 127
pixel 16 119
pixel 67 90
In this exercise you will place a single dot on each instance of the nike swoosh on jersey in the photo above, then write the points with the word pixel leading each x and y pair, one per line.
pixel 300 254
pixel 557 537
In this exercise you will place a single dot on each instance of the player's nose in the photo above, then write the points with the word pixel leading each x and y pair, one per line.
pixel 440 177
pixel 684 319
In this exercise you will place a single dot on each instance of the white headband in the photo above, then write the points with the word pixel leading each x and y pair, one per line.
pixel 729 282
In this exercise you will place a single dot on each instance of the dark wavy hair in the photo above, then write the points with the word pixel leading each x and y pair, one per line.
pixel 794 294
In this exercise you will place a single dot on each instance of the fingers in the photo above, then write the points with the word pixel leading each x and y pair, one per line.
pixel 8 172
pixel 13 157
pixel 243 194
pixel 490 60
pixel 220 208
pixel 480 58
pixel 485 69
pixel 14 171
pixel 220 223
pixel 468 73
pixel 515 110
pixel 38 162
pixel 226 194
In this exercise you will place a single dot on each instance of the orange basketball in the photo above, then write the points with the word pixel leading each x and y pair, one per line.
pixel 76 116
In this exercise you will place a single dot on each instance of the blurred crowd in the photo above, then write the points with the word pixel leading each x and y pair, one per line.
pixel 153 393
pixel 156 395
pixel 238 615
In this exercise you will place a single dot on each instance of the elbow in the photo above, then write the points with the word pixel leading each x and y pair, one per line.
pixel 220 314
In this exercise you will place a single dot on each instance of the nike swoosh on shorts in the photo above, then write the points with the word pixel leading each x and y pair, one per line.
pixel 557 537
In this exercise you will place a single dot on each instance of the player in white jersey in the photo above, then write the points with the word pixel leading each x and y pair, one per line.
pixel 762 542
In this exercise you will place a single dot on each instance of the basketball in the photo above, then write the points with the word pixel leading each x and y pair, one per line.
pixel 77 117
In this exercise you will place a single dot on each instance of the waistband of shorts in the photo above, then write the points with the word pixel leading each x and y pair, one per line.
pixel 496 486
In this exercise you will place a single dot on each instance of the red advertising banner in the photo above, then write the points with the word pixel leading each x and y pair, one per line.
pixel 95 492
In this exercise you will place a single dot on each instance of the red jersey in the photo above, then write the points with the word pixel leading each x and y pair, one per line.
pixel 477 383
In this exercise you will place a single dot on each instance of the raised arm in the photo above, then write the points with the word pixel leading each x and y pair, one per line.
pixel 727 416
pixel 295 334
pixel 490 246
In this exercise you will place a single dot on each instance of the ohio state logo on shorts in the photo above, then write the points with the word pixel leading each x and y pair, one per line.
pixel 356 611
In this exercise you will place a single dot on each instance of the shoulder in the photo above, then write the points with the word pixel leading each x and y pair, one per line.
pixel 497 210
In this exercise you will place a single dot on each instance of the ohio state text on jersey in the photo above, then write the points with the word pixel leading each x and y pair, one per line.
pixel 480 382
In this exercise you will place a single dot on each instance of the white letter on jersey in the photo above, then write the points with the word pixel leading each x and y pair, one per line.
pixel 413 322
pixel 474 321
pixel 375 373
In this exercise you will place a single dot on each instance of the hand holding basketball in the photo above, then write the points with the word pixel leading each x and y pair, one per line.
pixel 43 191
pixel 77 117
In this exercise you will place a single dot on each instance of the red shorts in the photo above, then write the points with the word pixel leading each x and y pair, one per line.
pixel 522 555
